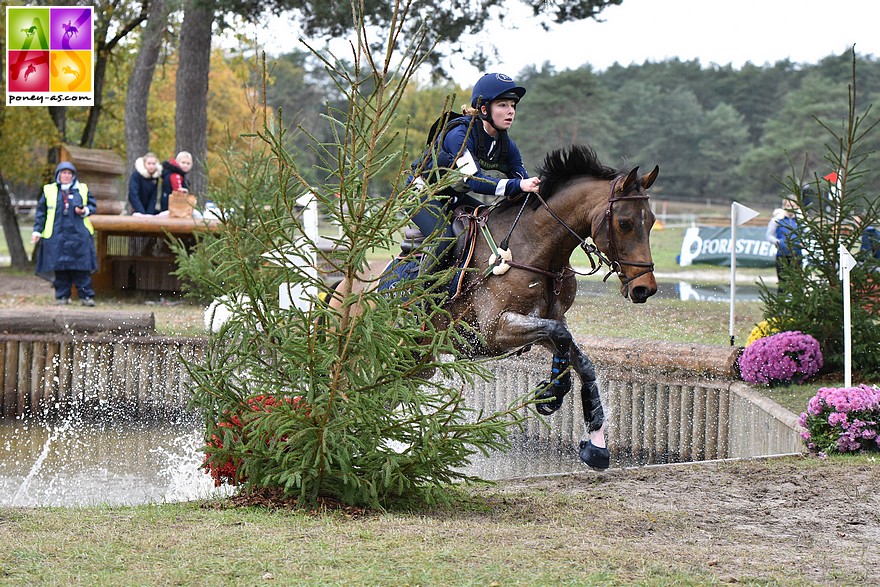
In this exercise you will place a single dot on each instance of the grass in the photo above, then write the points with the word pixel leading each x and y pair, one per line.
pixel 613 529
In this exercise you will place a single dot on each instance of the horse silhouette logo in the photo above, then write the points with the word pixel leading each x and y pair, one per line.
pixel 69 30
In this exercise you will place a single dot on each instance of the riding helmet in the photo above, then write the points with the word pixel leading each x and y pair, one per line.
pixel 495 86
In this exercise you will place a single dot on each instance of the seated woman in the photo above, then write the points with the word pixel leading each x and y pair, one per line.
pixel 143 185
pixel 174 176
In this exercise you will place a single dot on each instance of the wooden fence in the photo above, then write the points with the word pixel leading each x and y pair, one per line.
pixel 663 402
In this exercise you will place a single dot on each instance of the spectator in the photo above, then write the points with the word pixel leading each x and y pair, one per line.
pixel 174 176
pixel 782 231
pixel 66 254
pixel 143 185
pixel 871 242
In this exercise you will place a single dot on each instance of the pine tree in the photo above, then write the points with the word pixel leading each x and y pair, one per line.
pixel 834 210
pixel 358 403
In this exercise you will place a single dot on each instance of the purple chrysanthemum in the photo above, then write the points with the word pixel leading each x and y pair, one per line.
pixel 784 357
pixel 845 419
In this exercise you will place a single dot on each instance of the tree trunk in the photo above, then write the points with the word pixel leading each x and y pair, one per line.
pixel 9 222
pixel 137 131
pixel 59 117
pixel 88 136
pixel 103 49
pixel 191 115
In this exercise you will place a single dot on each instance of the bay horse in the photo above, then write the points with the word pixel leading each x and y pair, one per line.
pixel 520 302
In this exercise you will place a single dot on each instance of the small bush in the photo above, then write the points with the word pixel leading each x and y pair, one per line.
pixel 782 358
pixel 842 420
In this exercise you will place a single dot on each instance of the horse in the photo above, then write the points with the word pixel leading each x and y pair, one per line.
pixel 519 299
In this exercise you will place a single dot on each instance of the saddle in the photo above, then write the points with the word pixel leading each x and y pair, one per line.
pixel 466 222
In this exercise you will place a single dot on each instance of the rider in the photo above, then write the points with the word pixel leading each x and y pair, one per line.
pixel 479 146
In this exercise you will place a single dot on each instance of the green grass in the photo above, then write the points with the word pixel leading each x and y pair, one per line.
pixel 622 528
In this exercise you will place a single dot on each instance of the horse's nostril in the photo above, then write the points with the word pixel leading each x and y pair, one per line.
pixel 640 293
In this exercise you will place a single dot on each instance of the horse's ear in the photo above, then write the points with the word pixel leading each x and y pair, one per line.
pixel 648 180
pixel 630 180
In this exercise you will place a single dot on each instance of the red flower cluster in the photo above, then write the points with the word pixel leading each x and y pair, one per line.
pixel 228 470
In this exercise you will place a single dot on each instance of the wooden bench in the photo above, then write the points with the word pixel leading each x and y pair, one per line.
pixel 133 251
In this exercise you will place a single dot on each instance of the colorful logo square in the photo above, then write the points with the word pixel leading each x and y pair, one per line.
pixel 71 29
pixel 71 71
pixel 27 29
pixel 49 55
pixel 28 71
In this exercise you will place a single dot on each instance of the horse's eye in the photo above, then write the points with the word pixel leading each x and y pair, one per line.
pixel 625 225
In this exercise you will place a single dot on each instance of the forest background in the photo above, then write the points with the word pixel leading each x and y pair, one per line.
pixel 718 133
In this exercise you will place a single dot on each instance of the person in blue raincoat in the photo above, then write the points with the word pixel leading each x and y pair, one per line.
pixel 66 252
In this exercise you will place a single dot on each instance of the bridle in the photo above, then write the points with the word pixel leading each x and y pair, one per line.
pixel 615 263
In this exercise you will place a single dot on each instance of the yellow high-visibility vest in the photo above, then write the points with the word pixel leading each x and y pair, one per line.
pixel 50 191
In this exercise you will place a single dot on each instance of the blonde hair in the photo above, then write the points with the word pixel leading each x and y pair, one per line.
pixel 149 154
pixel 184 154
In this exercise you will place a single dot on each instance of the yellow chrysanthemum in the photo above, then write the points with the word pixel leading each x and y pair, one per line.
pixel 762 329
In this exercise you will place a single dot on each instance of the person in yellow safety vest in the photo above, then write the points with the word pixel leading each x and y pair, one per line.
pixel 66 253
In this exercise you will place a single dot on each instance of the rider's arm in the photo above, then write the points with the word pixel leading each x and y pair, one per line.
pixel 478 181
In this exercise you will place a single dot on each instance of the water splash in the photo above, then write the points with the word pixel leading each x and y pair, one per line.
pixel 22 490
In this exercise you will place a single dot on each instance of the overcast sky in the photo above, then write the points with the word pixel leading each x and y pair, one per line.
pixel 713 31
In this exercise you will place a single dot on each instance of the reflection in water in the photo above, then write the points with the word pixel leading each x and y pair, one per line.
pixel 82 464
pixel 677 290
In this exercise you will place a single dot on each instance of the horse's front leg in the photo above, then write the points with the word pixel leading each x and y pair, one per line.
pixel 517 330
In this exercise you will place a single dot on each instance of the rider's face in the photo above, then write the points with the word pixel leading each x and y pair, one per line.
pixel 502 113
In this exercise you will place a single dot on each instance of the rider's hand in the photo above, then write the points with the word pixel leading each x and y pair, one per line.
pixel 530 185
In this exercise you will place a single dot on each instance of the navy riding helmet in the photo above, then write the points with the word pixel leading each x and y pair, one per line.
pixel 495 86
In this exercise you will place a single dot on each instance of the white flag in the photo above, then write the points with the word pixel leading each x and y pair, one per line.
pixel 741 214
pixel 847 262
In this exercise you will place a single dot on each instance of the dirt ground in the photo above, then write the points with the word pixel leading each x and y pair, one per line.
pixel 800 519
pixel 814 521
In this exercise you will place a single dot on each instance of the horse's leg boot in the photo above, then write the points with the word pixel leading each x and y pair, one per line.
pixel 593 456
pixel 555 389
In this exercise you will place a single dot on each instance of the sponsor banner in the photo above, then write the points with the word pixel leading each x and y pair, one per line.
pixel 711 245
pixel 49 56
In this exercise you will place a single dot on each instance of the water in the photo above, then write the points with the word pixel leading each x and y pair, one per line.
pixel 74 462
pixel 77 462
pixel 672 290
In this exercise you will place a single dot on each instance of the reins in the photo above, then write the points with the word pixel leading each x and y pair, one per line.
pixel 594 255
pixel 616 263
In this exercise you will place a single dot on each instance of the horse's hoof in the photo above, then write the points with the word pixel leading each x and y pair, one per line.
pixel 548 408
pixel 593 456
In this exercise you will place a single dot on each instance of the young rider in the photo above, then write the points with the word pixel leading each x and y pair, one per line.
pixel 479 146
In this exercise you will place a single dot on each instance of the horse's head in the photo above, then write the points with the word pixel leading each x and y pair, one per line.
pixel 623 231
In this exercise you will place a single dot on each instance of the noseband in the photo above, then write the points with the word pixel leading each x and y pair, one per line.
pixel 615 263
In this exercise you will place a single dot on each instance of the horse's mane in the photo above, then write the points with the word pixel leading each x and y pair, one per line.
pixel 562 165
